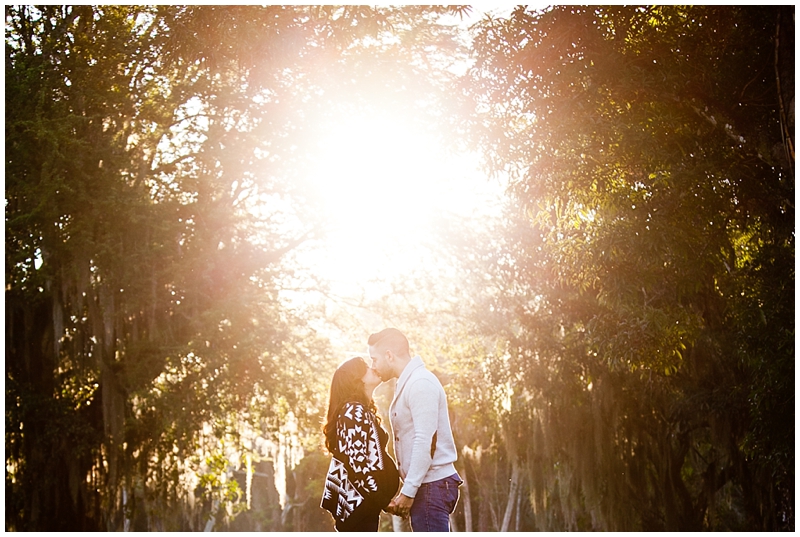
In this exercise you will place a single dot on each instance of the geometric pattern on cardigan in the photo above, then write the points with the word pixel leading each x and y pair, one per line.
pixel 339 497
pixel 358 444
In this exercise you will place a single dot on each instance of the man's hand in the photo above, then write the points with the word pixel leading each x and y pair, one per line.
pixel 400 505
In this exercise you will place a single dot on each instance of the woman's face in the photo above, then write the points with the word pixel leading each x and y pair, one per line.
pixel 371 381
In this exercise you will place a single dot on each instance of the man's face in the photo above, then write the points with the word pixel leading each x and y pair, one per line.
pixel 380 362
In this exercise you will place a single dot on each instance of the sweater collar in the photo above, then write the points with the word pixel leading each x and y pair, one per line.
pixel 415 363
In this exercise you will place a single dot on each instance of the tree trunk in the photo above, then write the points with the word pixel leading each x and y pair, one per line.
pixel 512 495
pixel 484 514
pixel 466 501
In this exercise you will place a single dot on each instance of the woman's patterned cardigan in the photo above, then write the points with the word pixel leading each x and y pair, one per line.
pixel 358 474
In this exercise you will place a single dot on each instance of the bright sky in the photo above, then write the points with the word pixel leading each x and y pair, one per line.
pixel 385 184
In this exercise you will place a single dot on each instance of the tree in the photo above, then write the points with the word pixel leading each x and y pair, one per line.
pixel 643 291
pixel 153 205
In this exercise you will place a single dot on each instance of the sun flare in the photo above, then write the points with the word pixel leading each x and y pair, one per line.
pixel 366 161
pixel 384 181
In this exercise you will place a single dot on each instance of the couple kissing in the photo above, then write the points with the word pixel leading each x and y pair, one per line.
pixel 363 479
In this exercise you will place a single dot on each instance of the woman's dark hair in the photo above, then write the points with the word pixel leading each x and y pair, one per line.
pixel 347 385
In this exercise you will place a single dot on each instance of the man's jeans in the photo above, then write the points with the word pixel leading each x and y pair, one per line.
pixel 433 504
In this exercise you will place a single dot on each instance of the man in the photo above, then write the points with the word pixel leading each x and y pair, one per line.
pixel 423 440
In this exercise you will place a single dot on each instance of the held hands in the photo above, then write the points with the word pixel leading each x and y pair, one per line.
pixel 400 505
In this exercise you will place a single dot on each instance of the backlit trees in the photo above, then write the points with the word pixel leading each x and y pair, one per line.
pixel 153 204
pixel 644 288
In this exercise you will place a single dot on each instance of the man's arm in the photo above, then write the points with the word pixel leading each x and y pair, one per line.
pixel 423 402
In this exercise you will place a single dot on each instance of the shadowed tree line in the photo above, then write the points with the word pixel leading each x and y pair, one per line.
pixel 618 347
pixel 637 306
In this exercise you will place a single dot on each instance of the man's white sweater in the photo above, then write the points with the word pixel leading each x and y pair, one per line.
pixel 423 440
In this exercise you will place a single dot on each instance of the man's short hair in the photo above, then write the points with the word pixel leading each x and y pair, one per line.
pixel 391 339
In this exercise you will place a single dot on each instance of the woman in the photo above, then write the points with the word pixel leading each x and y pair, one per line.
pixel 362 478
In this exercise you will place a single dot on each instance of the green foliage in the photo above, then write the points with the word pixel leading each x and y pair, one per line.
pixel 153 209
pixel 619 351
pixel 637 285
pixel 216 485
